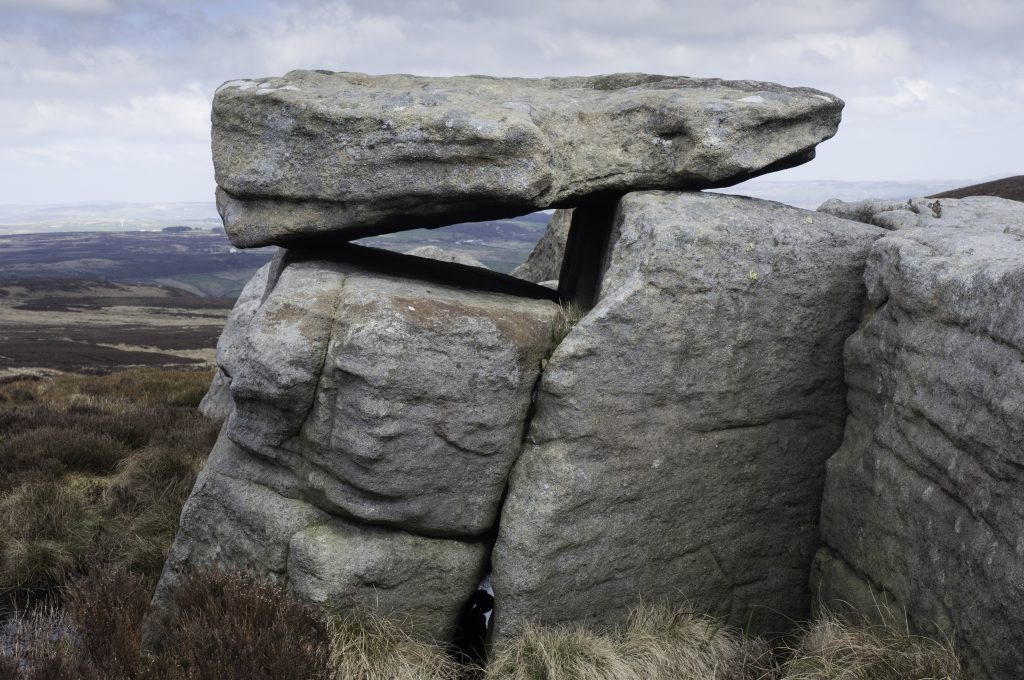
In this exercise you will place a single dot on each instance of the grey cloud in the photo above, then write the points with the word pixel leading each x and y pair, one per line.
pixel 141 74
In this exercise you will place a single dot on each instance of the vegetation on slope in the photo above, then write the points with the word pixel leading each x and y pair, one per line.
pixel 93 473
pixel 1008 187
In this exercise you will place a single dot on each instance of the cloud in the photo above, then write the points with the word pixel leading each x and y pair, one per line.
pixel 69 6
pixel 139 74
pixel 999 16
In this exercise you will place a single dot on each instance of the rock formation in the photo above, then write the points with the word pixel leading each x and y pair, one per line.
pixel 698 399
pixel 545 260
pixel 922 506
pixel 658 429
pixel 396 401
pixel 435 253
pixel 355 155
pixel 217 402
pixel 987 213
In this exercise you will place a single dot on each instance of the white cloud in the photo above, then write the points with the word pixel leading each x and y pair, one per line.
pixel 70 6
pixel 978 15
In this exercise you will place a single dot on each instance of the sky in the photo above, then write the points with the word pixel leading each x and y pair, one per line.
pixel 110 99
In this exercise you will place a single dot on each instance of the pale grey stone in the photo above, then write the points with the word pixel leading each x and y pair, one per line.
pixel 544 262
pixel 421 582
pixel 442 255
pixel 316 152
pixel 395 401
pixel 678 447
pixel 988 213
pixel 244 514
pixel 923 498
pixel 217 401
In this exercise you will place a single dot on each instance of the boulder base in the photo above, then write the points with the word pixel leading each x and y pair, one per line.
pixel 243 514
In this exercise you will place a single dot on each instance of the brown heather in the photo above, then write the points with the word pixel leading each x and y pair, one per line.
pixel 94 470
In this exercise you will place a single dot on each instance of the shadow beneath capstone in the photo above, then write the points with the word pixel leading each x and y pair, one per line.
pixel 411 267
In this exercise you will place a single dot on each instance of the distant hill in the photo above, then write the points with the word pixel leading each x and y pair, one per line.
pixel 1008 187
pixel 809 194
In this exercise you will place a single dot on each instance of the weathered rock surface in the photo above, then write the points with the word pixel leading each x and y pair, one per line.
pixel 988 213
pixel 217 402
pixel 442 255
pixel 923 498
pixel 395 401
pixel 245 514
pixel 355 155
pixel 544 262
pixel 423 582
pixel 681 430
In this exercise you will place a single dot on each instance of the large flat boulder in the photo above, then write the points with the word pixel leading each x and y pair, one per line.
pixel 396 401
pixel 681 430
pixel 923 500
pixel 245 514
pixel 354 155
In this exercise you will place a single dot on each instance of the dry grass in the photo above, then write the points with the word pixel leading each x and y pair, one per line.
pixel 94 470
pixel 657 644
pixel 371 647
pixel 231 626
pixel 569 314
pixel 833 650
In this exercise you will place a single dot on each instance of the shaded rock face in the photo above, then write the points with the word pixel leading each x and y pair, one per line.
pixel 987 213
pixel 245 513
pixel 317 152
pixel 682 427
pixel 545 260
pixel 217 402
pixel 395 401
pixel 377 402
pixel 923 498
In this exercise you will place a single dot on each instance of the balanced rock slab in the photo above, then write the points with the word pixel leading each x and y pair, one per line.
pixel 244 514
pixel 923 501
pixel 395 401
pixel 678 448
pixel 317 152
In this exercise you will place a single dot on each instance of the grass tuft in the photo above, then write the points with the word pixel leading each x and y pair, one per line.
pixel 370 647
pixel 658 643
pixel 833 650
pixel 569 314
